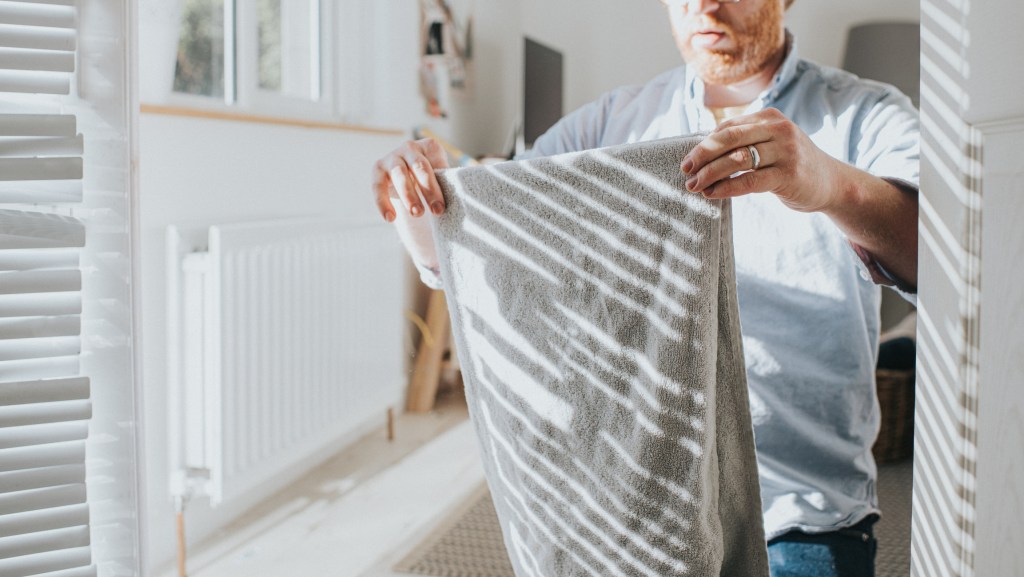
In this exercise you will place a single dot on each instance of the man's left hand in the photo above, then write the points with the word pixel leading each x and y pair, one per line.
pixel 791 166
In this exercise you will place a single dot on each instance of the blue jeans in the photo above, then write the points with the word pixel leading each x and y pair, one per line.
pixel 848 552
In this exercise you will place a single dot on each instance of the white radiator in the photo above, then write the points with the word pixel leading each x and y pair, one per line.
pixel 285 341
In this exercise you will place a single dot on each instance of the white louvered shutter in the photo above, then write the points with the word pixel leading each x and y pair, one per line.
pixel 44 399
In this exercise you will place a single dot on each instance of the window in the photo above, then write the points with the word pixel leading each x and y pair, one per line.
pixel 266 56
pixel 289 48
pixel 200 65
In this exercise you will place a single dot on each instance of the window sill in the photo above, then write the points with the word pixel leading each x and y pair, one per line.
pixel 259 119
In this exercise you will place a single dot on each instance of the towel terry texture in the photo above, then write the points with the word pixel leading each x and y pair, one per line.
pixel 593 303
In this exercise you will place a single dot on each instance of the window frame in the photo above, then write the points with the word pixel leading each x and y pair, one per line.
pixel 242 93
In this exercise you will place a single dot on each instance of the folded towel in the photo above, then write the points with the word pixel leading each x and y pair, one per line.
pixel 593 303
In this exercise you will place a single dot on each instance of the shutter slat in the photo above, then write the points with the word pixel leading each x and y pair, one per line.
pixel 35 565
pixel 44 520
pixel 66 168
pixel 38 259
pixel 46 432
pixel 38 414
pixel 37 191
pixel 89 571
pixel 35 281
pixel 57 2
pixel 44 541
pixel 41 146
pixel 45 498
pixel 16 481
pixel 22 349
pixel 41 304
pixel 29 59
pixel 38 327
pixel 39 369
pixel 49 391
pixel 54 238
pixel 37 14
pixel 21 230
pixel 38 38
pixel 35 82
pixel 37 125
pixel 42 456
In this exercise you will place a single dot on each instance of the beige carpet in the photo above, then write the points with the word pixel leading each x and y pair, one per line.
pixel 893 530
pixel 468 543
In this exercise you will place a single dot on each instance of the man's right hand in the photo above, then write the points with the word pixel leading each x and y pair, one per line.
pixel 407 174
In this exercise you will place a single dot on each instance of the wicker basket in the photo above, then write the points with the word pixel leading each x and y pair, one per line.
pixel 896 398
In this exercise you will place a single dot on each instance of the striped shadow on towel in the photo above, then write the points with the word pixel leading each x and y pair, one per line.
pixel 593 303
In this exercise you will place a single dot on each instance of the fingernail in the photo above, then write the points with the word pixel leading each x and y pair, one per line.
pixel 416 210
pixel 687 165
pixel 389 216
pixel 437 207
pixel 691 184
pixel 709 192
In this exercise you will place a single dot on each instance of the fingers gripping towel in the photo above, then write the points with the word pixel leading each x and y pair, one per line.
pixel 594 308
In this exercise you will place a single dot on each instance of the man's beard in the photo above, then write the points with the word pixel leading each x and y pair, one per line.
pixel 756 45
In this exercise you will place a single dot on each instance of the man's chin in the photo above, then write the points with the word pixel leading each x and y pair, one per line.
pixel 719 69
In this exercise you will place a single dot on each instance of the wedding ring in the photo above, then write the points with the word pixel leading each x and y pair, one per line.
pixel 755 158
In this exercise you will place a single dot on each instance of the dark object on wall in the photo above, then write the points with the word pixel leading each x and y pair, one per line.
pixel 435 39
pixel 542 89
pixel 888 52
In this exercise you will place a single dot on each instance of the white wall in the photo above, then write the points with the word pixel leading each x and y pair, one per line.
pixel 610 43
pixel 606 43
pixel 820 26
pixel 195 172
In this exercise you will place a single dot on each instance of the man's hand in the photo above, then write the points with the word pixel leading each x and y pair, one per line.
pixel 875 214
pixel 407 174
pixel 791 166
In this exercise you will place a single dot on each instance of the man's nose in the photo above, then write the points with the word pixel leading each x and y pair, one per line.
pixel 694 7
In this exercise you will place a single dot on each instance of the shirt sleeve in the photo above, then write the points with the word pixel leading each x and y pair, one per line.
pixel 887 143
pixel 887 140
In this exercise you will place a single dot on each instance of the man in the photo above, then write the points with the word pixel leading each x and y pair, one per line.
pixel 822 168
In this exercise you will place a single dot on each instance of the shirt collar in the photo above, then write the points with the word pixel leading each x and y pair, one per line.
pixel 787 72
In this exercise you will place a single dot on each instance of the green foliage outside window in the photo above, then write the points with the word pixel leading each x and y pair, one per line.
pixel 270 44
pixel 200 64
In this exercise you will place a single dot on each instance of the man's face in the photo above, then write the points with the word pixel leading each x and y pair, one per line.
pixel 727 43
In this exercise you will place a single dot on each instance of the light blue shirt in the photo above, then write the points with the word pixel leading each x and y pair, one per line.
pixel 808 310
pixel 809 313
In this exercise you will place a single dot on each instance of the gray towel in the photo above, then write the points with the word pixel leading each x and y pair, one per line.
pixel 593 303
